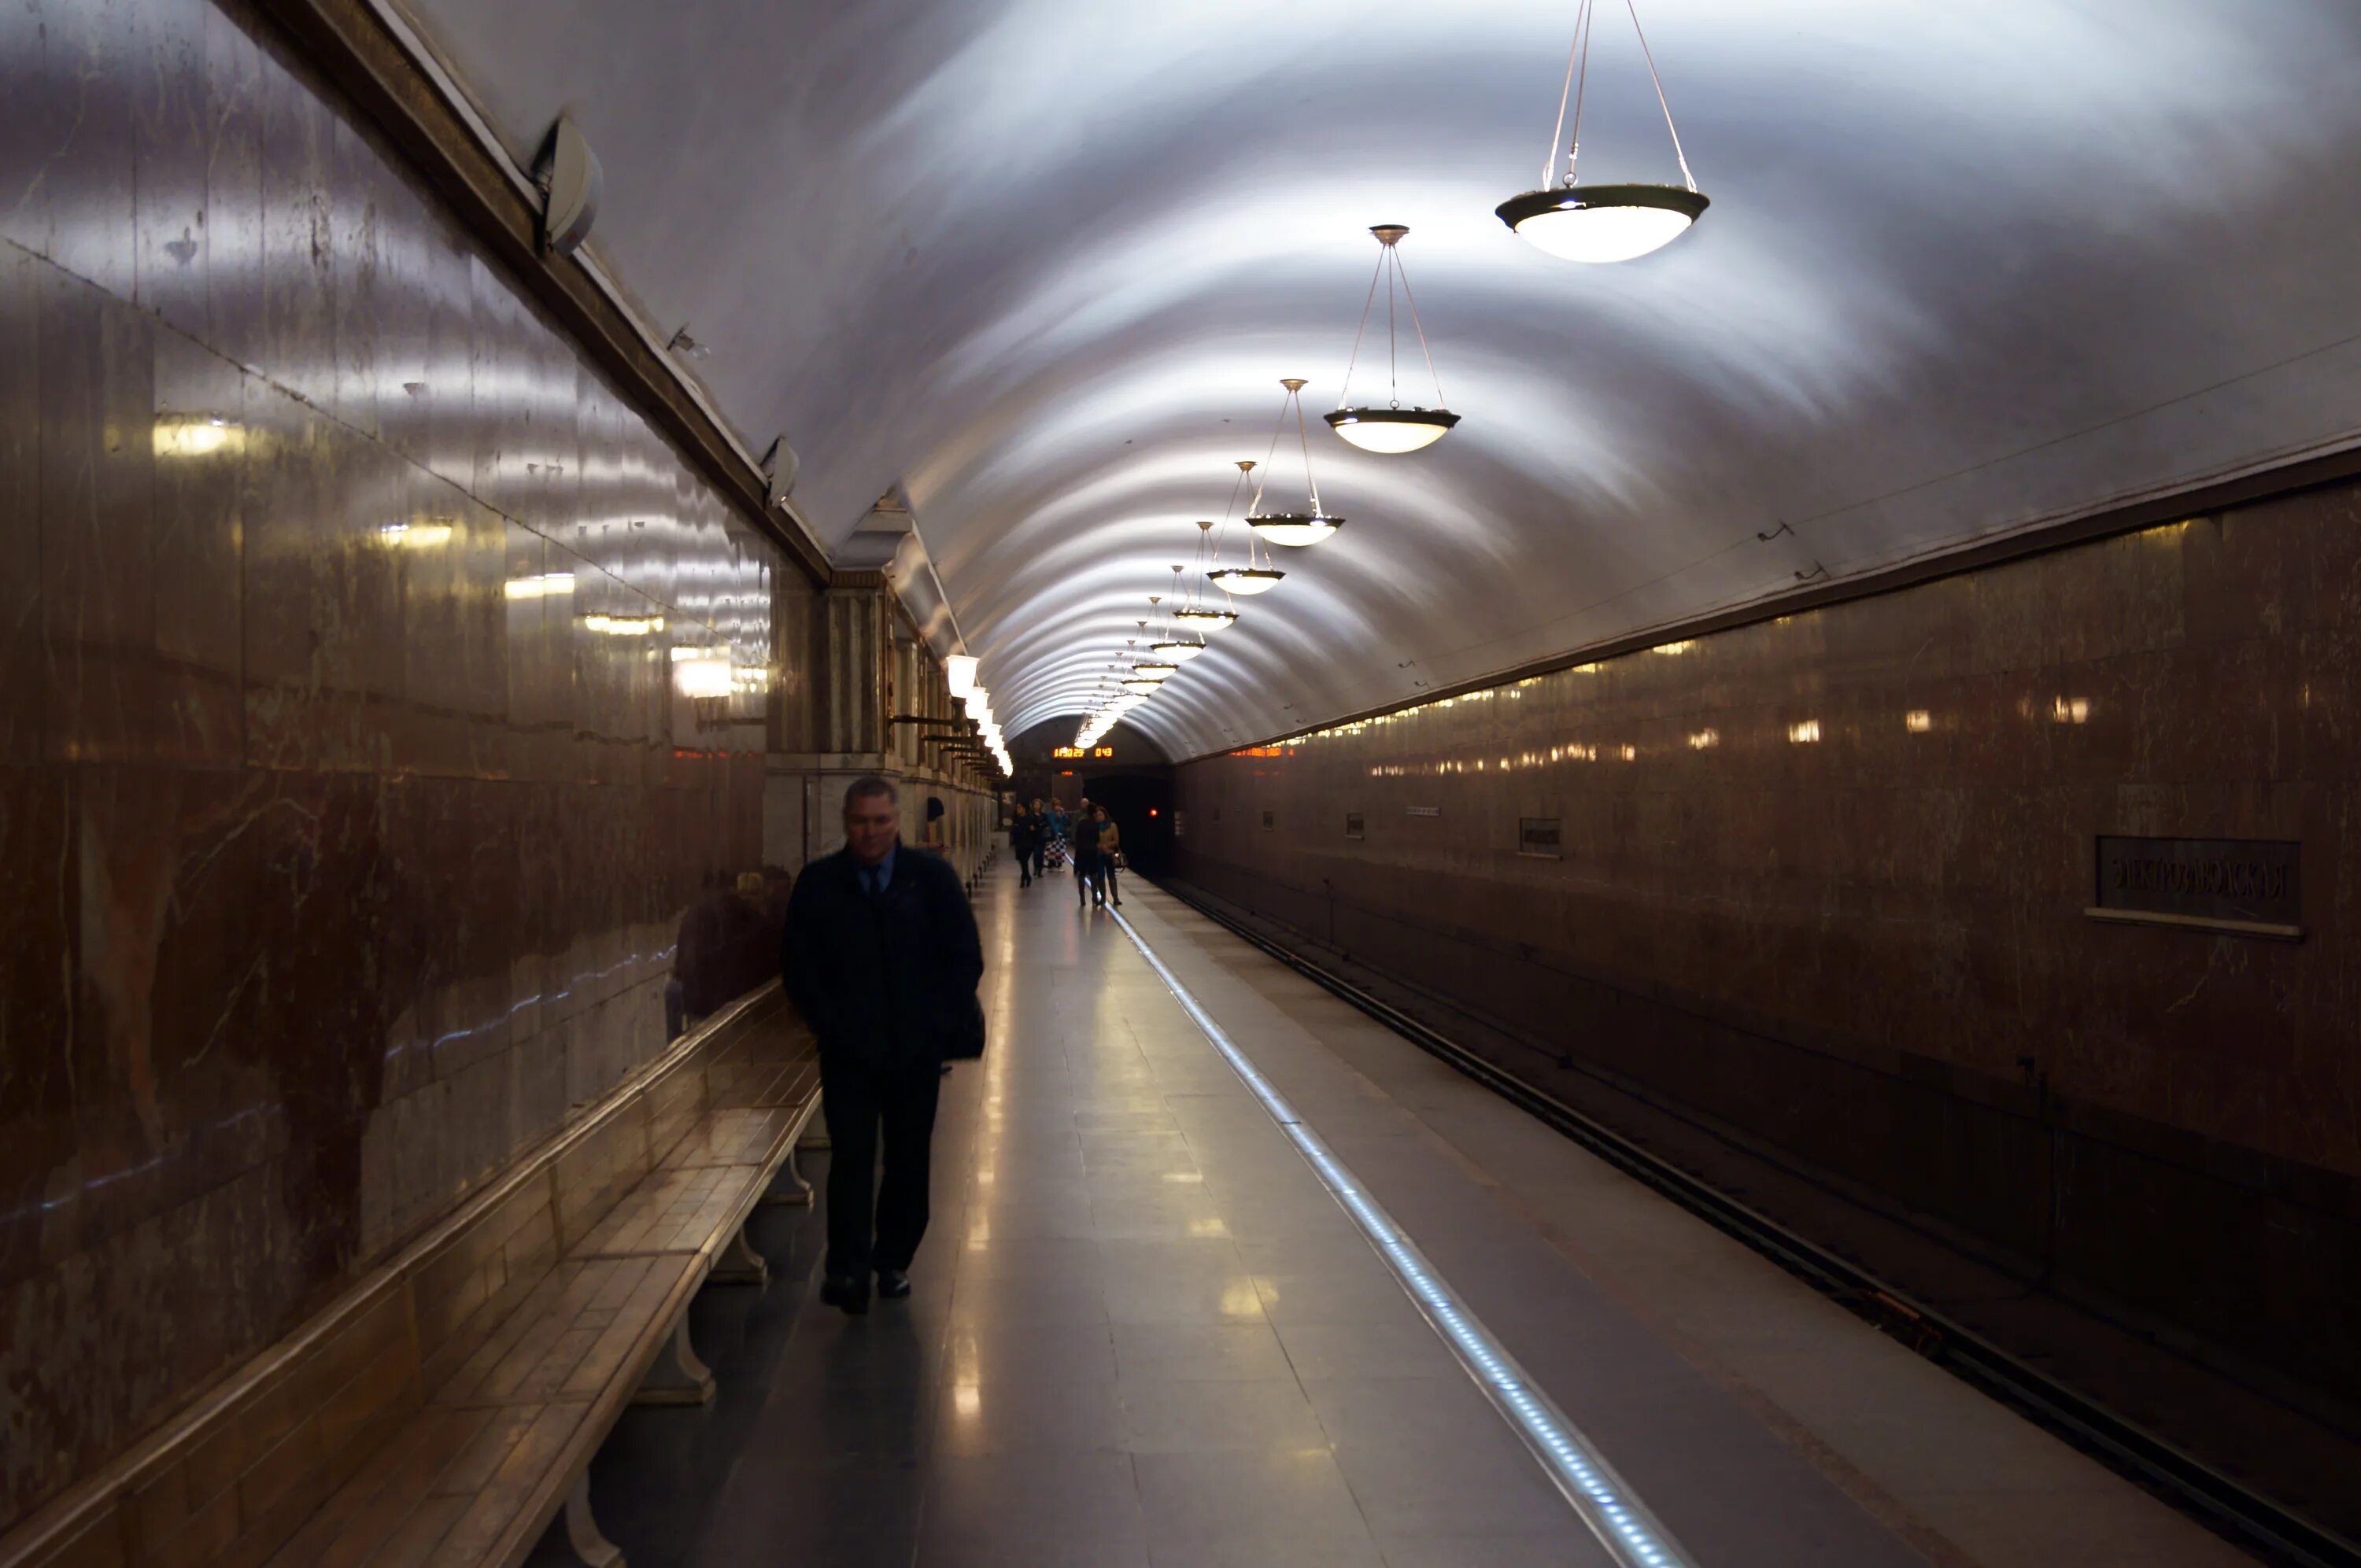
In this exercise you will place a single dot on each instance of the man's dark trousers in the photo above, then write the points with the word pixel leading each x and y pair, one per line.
pixel 860 1099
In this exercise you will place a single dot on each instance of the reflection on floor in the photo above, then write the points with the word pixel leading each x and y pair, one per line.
pixel 1142 1331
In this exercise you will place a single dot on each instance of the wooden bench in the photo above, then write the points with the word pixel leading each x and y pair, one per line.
pixel 446 1410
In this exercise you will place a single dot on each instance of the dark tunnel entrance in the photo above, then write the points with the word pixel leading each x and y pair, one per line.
pixel 1141 805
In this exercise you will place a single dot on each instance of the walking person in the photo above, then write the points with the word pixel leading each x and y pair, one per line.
pixel 1040 834
pixel 1023 832
pixel 1110 847
pixel 1083 840
pixel 1058 824
pixel 882 959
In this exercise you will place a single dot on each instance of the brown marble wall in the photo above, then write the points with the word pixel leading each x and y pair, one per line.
pixel 348 800
pixel 1824 878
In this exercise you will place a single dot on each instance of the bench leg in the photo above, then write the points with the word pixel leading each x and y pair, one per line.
pixel 815 1133
pixel 574 1537
pixel 739 1264
pixel 789 1186
pixel 677 1377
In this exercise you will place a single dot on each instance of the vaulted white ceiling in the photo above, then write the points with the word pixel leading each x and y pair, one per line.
pixel 1040 264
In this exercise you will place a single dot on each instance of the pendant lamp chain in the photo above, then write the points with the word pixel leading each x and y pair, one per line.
pixel 1256 556
pixel 1389 271
pixel 1577 79
pixel 1294 401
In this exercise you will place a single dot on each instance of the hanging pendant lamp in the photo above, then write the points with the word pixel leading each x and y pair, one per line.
pixel 1205 618
pixel 1154 669
pixel 1293 529
pixel 1176 648
pixel 1392 428
pixel 1249 579
pixel 1602 223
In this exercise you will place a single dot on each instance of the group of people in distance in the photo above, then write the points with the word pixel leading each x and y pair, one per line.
pixel 1043 833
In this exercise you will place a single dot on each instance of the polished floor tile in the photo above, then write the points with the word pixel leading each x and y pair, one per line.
pixel 1143 1331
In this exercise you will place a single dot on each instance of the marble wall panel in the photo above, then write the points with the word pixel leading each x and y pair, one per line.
pixel 1823 878
pixel 344 851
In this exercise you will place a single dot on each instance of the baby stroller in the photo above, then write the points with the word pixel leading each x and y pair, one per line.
pixel 1053 855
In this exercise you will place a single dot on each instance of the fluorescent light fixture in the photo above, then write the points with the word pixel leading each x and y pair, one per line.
pixel 539 586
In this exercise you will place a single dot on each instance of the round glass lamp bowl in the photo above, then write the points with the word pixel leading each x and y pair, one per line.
pixel 1152 671
pixel 1246 581
pixel 1391 430
pixel 1207 619
pixel 1602 223
pixel 1177 653
pixel 1142 688
pixel 1294 529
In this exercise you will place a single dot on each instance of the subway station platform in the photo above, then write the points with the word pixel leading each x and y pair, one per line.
pixel 1147 1328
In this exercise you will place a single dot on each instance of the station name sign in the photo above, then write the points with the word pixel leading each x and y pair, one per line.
pixel 2241 886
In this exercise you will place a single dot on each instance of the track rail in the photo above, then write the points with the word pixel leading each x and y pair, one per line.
pixel 2223 1503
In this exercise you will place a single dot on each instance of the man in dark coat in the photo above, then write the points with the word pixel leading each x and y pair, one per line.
pixel 1082 841
pixel 882 960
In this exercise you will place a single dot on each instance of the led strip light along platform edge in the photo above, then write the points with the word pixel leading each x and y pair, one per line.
pixel 1603 1499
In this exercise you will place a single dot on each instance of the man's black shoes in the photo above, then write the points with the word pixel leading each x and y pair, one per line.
pixel 892 1284
pixel 851 1295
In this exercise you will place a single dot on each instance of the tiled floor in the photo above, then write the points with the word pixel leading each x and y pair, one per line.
pixel 1144 1332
